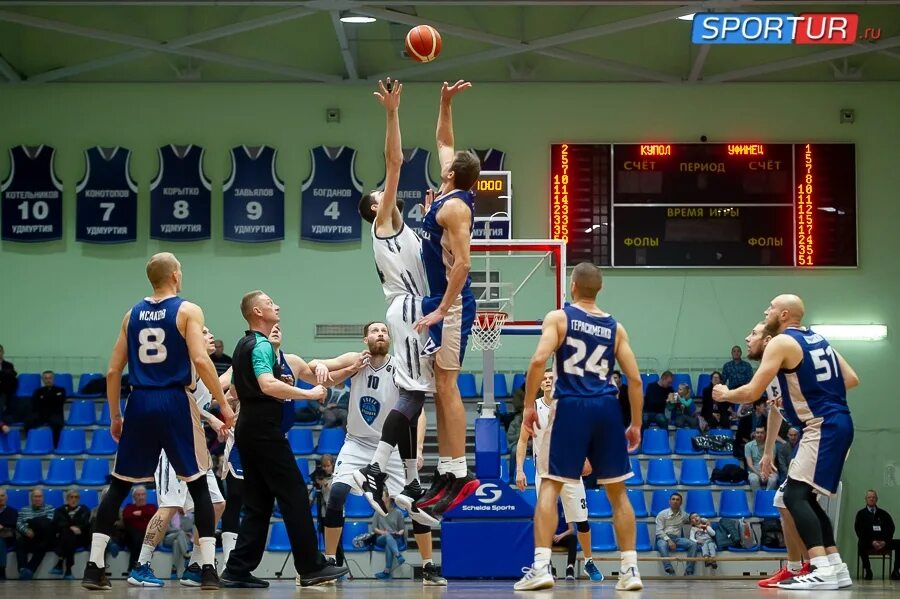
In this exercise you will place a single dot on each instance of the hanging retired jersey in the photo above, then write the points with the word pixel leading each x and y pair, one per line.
pixel 587 355
pixel 31 196
pixel 253 196
pixel 329 207
pixel 180 195
pixel 106 198
pixel 491 159
pixel 373 394
pixel 415 180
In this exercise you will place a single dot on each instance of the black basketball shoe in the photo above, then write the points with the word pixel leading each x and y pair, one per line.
pixel 370 480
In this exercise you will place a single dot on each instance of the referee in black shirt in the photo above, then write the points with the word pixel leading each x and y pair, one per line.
pixel 270 471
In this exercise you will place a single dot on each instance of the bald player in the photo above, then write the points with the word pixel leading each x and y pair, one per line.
pixel 586 422
pixel 161 341
pixel 813 380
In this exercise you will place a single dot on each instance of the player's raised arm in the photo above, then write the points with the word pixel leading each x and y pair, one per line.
pixel 548 343
pixel 628 365
pixel 444 134
pixel 338 369
pixel 387 214
pixel 780 350
pixel 117 363
pixel 197 351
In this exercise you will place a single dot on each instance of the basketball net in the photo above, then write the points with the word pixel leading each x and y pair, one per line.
pixel 486 329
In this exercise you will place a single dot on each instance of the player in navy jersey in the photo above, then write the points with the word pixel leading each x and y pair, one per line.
pixel 813 380
pixel 586 422
pixel 161 341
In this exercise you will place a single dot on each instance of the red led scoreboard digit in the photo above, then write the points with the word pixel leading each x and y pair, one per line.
pixel 559 209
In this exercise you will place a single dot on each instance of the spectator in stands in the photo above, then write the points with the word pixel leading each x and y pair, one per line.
pixel 793 437
pixel 176 539
pixel 9 382
pixel 752 454
pixel 670 537
pixel 657 399
pixel 783 459
pixel 391 531
pixel 623 397
pixel 683 408
pixel 736 372
pixel 47 405
pixel 566 538
pixel 37 534
pixel 73 524
pixel 136 517
pixel 220 359
pixel 747 425
pixel 875 531
pixel 716 414
pixel 334 408
pixel 8 517
pixel 703 534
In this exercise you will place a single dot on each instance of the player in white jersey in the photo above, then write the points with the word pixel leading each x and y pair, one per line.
pixel 398 260
pixel 573 496
pixel 373 395
pixel 173 496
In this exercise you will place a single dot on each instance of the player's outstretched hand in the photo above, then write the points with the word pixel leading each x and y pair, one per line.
pixel 322 374
pixel 389 94
pixel 520 481
pixel 633 436
pixel 426 321
pixel 448 91
pixel 318 393
pixel 529 420
pixel 718 392
pixel 288 379
pixel 362 361
pixel 226 414
pixel 115 428
pixel 767 465
pixel 587 468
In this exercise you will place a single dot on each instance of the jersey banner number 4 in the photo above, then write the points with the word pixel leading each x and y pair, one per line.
pixel 329 204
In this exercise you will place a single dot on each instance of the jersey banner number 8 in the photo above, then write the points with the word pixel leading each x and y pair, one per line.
pixel 151 349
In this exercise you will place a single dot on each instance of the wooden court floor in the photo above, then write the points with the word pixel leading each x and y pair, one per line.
pixel 365 589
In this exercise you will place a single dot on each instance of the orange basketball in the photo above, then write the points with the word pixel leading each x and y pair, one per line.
pixel 423 43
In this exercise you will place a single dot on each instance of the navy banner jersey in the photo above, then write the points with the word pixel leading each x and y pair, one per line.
pixel 180 195
pixel 106 198
pixel 31 196
pixel 436 254
pixel 253 196
pixel 491 159
pixel 815 388
pixel 415 180
pixel 587 355
pixel 157 351
pixel 329 207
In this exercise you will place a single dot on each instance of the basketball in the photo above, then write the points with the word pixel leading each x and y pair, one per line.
pixel 423 43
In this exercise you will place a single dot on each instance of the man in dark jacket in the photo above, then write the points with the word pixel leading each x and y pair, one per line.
pixel 9 382
pixel 8 516
pixel 73 521
pixel 47 405
pixel 875 530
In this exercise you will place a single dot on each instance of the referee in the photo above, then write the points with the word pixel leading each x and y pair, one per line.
pixel 270 471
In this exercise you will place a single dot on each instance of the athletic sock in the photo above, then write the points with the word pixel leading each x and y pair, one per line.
pixel 821 563
pixel 835 559
pixel 443 466
pixel 99 542
pixel 207 551
pixel 541 558
pixel 425 562
pixel 330 557
pixel 411 470
pixel 229 540
pixel 794 566
pixel 146 554
pixel 458 467
pixel 628 560
pixel 382 455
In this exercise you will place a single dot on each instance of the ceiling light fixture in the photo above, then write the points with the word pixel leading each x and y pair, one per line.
pixel 851 332
pixel 687 17
pixel 356 19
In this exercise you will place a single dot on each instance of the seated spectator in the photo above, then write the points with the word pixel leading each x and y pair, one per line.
pixel 334 408
pixel 178 541
pixel 782 459
pixel 9 382
pixel 136 516
pixel 8 517
pixel 36 534
pixel 875 531
pixel 670 535
pixel 47 404
pixel 716 414
pixel 747 424
pixel 656 401
pixel 220 359
pixel 753 454
pixel 703 534
pixel 682 406
pixel 565 537
pixel 736 372
pixel 73 524
pixel 391 531
pixel 624 403
pixel 793 437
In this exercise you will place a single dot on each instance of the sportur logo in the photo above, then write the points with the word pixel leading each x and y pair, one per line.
pixel 780 28
pixel 488 493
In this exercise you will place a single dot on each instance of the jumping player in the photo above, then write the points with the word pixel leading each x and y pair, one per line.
pixel 813 380
pixel 161 341
pixel 586 421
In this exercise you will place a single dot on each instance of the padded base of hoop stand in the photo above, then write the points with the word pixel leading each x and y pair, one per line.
pixel 487 448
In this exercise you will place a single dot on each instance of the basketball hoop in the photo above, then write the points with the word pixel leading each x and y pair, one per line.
pixel 486 329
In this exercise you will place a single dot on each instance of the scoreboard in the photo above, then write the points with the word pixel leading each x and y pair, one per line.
pixel 705 204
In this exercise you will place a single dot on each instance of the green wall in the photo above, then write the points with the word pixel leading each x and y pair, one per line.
pixel 66 298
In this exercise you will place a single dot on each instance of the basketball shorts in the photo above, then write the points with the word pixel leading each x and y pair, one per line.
pixel 585 427
pixel 159 420
pixel 822 452
pixel 573 497
pixel 448 338
pixel 232 459
pixel 354 455
pixel 414 372
pixel 171 492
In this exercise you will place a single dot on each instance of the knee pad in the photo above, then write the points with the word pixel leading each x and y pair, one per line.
pixel 583 526
pixel 420 529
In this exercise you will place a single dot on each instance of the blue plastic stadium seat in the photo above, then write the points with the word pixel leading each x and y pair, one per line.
pixel 94 471
pixel 602 537
pixel 81 413
pixel 330 441
pixel 28 472
pixel 102 443
pixel 721 463
pixel 772 549
pixel 4 471
pixel 352 529
pixel 660 500
pixel 703 382
pixel 700 501
pixel 528 467
pixel 29 382
pixel 733 504
pixel 504 470
pixel 643 537
pixel 90 498
pixel 278 540
pixel 529 495
pixel 151 497
pixel 694 472
pixel 646 379
pixel 11 442
pixel 64 380
pixel 54 497
pixel 764 504
pixel 518 381
pixel 18 498
pixel 84 380
pixel 39 441
pixel 357 506
pixel 638 478
pixel 661 472
pixel 71 442
pixel 598 504
pixel 466 383
pixel 656 442
pixel 103 420
pixel 683 445
pixel 504 444
pixel 500 388
pixel 681 377
pixel 301 441
pixel 61 472
pixel 303 467
pixel 638 504
pixel 502 409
